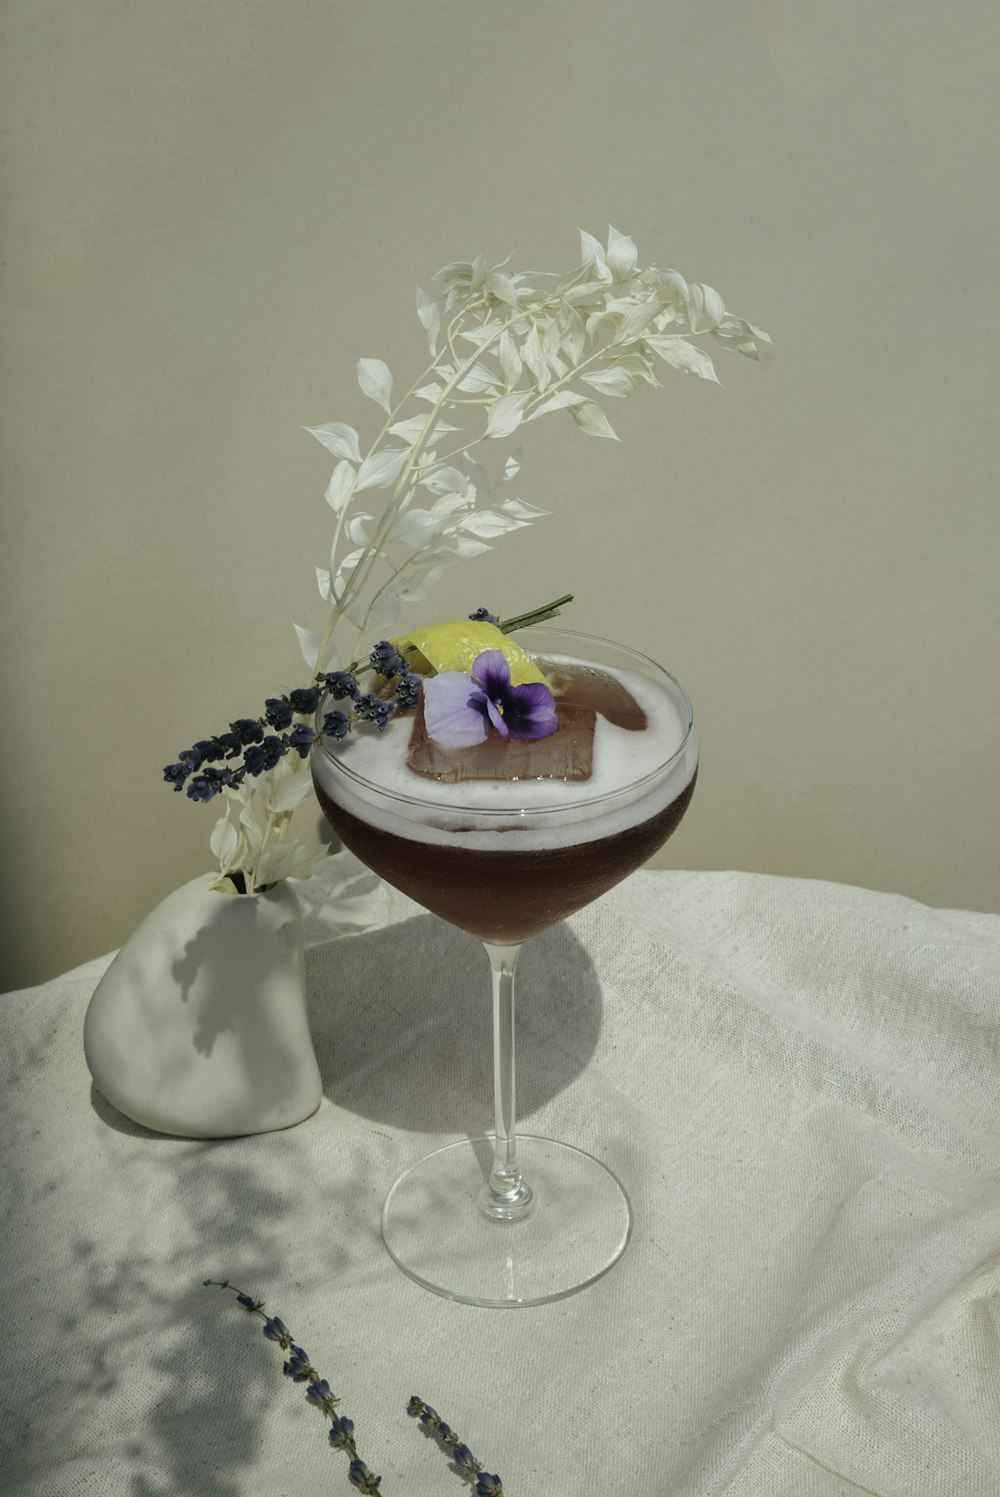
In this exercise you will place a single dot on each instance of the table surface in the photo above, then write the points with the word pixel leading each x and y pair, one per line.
pixel 798 1083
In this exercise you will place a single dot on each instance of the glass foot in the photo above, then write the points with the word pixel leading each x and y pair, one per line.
pixel 577 1228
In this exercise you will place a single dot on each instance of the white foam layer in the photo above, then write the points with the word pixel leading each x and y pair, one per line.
pixel 635 775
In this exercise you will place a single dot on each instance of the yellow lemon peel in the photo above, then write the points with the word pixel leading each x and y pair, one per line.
pixel 455 645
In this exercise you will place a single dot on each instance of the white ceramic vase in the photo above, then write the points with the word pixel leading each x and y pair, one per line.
pixel 199 1026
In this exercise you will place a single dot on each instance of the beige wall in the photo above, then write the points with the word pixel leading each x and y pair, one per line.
pixel 214 207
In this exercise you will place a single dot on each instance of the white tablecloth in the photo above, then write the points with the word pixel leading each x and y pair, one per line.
pixel 799 1084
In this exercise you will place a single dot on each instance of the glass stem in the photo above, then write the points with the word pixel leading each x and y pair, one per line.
pixel 506 1196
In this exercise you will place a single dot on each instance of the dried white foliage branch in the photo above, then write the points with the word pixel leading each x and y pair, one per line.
pixel 506 347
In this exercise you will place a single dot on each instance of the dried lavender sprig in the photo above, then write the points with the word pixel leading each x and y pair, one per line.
pixel 259 751
pixel 488 1484
pixel 262 751
pixel 318 1393
pixel 341 1433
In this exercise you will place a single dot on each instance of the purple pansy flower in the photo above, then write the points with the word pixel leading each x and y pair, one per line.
pixel 459 709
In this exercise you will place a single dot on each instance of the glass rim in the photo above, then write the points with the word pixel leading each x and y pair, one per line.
pixel 498 813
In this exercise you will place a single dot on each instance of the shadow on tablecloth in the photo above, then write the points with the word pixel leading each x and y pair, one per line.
pixel 402 1027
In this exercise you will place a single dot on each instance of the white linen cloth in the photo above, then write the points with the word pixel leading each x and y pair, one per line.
pixel 798 1083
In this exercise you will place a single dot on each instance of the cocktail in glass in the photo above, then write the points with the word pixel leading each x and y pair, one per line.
pixel 522 1220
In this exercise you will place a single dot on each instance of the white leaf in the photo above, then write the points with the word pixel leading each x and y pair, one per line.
pixel 678 285
pixel 502 287
pixel 430 317
pixel 713 308
pixel 476 475
pixel 573 334
pixel 595 321
pixel 452 504
pixel 431 393
pixel 592 252
pixel 383 613
pixel 591 419
pixel 411 429
pixel 510 359
pixel 457 271
pixel 224 842
pixel 478 380
pixel 253 833
pixel 484 333
pixel 354 608
pixel 382 468
pixel 622 255
pixel 357 529
pixel 338 438
pixel 462 278
pixel 583 291
pixel 505 414
pixel 272 867
pixel 444 480
pixel 417 527
pixel 619 305
pixel 461 545
pixel 350 561
pixel 671 317
pixel 640 366
pixel 489 523
pixel 740 336
pixel 531 353
pixel 310 641
pixel 613 381
pixel 561 400
pixel 522 511
pixel 376 381
pixel 635 320
pixel 291 791
pixel 289 860
pixel 553 349
pixel 426 578
pixel 511 467
pixel 340 489
pixel 731 327
pixel 684 356
pixel 414 428
pixel 323 582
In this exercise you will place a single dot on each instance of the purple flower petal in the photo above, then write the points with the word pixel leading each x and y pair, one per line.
pixel 492 672
pixel 459 709
pixel 496 718
pixel 530 711
pixel 454 710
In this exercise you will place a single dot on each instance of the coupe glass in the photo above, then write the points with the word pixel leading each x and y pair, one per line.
pixel 515 1220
